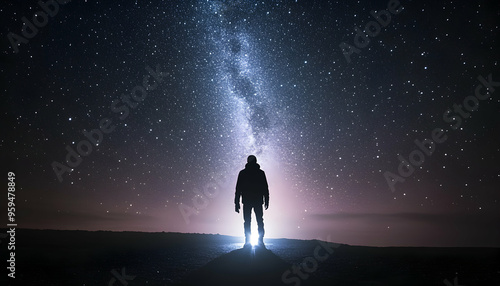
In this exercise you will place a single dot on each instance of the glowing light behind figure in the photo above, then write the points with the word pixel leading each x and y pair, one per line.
pixel 254 240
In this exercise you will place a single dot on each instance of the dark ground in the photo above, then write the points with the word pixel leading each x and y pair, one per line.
pixel 48 257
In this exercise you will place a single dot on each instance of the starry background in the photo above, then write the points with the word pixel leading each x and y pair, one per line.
pixel 265 78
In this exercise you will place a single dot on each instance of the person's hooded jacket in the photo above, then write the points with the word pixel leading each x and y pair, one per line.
pixel 252 185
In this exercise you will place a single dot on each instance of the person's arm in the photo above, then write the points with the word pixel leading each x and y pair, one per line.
pixel 266 190
pixel 237 194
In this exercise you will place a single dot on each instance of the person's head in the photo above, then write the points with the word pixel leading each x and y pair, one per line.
pixel 252 159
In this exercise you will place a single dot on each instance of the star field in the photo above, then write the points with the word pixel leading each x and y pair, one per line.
pixel 267 78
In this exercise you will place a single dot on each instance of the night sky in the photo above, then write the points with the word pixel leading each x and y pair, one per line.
pixel 166 99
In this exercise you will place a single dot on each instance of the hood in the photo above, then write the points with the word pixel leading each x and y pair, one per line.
pixel 252 166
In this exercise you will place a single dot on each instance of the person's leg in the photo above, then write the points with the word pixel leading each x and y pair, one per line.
pixel 247 217
pixel 260 221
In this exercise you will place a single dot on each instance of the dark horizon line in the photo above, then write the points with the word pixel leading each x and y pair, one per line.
pixel 217 234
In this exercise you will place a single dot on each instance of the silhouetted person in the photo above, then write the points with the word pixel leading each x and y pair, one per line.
pixel 252 187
